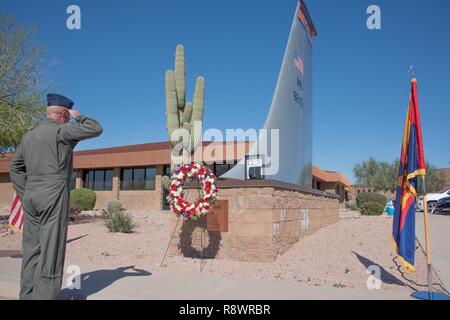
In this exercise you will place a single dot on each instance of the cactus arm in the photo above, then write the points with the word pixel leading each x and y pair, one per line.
pixel 199 100
pixel 186 117
pixel 197 113
pixel 180 77
pixel 172 116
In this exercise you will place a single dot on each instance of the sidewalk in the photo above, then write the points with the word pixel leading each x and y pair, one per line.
pixel 125 283
pixel 440 243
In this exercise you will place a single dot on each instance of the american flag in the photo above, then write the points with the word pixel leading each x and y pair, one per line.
pixel 16 216
pixel 298 62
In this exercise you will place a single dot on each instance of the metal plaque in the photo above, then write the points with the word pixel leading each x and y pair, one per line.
pixel 217 217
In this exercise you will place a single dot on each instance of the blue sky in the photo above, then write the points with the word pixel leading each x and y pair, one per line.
pixel 114 67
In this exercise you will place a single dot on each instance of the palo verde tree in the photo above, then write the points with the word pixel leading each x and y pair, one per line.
pixel 21 83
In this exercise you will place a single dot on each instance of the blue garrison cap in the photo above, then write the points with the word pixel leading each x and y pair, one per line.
pixel 54 99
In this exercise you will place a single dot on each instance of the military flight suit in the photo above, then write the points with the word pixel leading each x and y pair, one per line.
pixel 40 171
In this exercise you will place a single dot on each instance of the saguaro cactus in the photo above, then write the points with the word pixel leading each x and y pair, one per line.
pixel 181 116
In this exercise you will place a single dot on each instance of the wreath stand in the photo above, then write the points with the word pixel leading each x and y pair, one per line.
pixel 202 225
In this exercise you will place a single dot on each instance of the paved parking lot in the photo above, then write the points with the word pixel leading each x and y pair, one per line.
pixel 440 243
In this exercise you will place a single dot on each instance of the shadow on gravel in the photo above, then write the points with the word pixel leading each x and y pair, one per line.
pixel 95 281
pixel 386 277
pixel 75 239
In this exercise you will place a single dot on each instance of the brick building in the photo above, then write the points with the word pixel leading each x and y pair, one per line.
pixel 331 182
pixel 133 173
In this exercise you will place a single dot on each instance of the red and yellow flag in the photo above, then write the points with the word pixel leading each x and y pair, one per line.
pixel 412 165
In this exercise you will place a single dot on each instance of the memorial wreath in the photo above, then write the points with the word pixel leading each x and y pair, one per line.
pixel 176 196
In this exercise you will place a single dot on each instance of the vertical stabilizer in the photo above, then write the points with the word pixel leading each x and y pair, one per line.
pixel 290 112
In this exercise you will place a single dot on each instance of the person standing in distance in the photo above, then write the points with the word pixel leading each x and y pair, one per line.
pixel 40 171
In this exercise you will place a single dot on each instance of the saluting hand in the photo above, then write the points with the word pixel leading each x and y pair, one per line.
pixel 74 113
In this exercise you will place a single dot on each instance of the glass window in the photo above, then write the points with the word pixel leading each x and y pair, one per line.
pixel 222 168
pixel 89 179
pixel 150 177
pixel 108 179
pixel 127 179
pixel 138 179
pixel 98 180
pixel 254 172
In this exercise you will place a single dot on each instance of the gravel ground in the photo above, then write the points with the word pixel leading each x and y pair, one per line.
pixel 334 256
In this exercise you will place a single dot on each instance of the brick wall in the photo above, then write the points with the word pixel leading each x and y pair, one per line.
pixel 143 200
pixel 263 223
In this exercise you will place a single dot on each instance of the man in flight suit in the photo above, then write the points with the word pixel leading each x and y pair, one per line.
pixel 40 171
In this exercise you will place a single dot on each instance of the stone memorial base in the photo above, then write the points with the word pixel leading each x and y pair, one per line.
pixel 253 221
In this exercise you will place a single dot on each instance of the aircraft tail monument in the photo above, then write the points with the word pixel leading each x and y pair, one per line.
pixel 290 116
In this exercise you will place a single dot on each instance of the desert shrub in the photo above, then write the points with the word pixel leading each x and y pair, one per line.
pixel 352 206
pixel 119 222
pixel 114 206
pixel 82 200
pixel 372 208
pixel 364 197
pixel 116 220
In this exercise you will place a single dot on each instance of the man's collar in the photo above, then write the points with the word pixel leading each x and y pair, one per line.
pixel 50 120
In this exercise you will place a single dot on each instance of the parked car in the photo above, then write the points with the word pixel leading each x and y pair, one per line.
pixel 442 205
pixel 432 199
pixel 419 204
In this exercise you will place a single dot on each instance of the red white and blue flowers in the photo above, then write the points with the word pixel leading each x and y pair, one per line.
pixel 176 193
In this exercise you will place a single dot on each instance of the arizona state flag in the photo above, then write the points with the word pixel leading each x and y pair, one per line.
pixel 412 165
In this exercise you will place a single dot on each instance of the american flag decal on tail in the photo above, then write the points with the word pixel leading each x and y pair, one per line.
pixel 298 62
pixel 16 216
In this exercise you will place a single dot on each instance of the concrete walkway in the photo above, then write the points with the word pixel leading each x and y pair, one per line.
pixel 440 243
pixel 126 283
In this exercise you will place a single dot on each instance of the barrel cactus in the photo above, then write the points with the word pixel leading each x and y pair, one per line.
pixel 184 120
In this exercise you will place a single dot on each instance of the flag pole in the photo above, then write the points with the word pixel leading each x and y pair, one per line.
pixel 412 70
pixel 427 239
pixel 427 295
